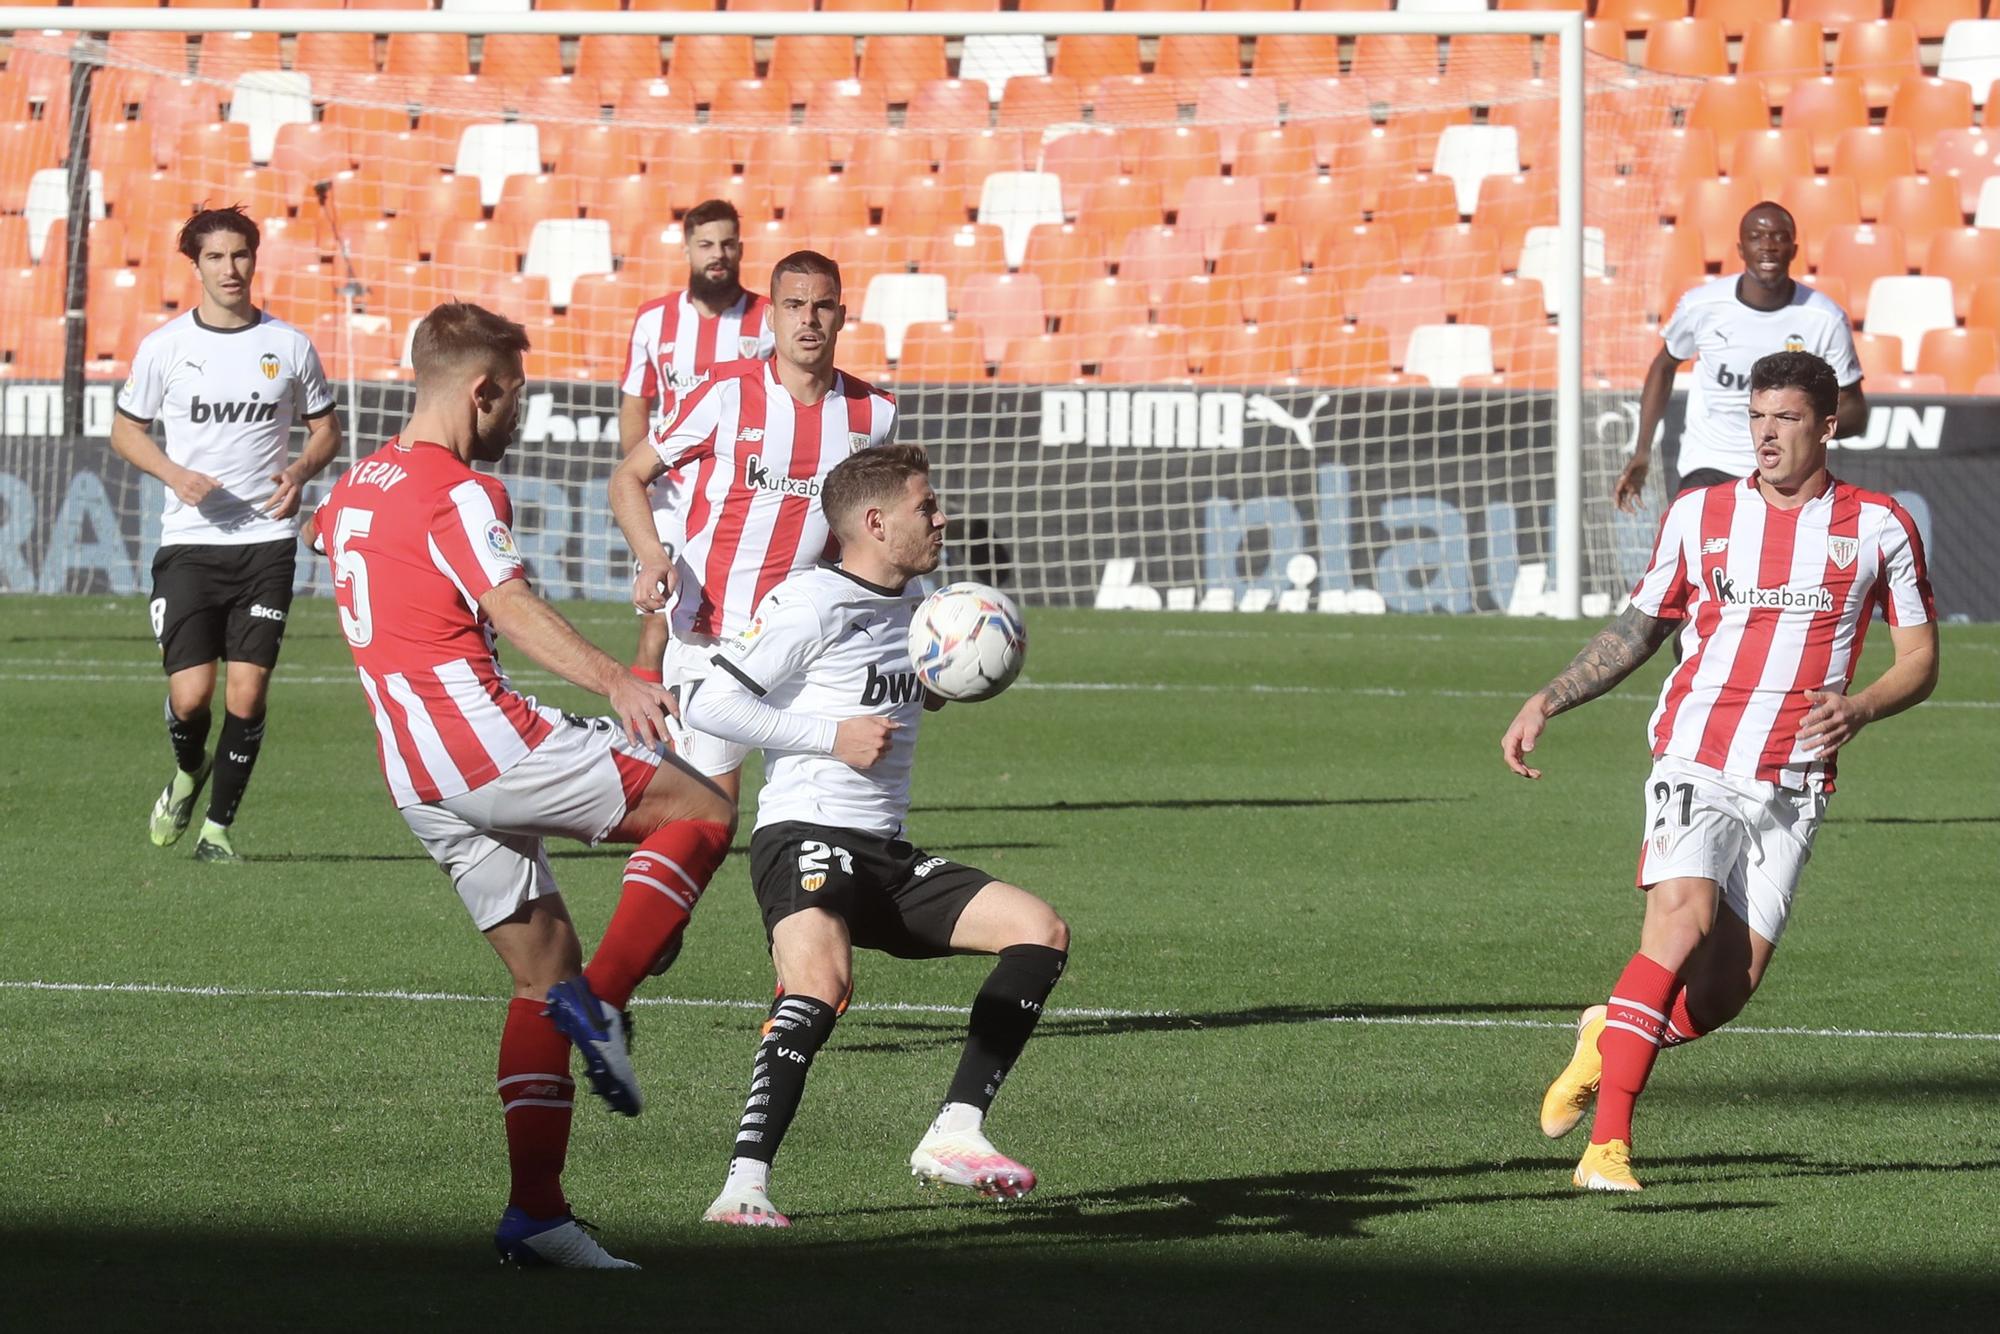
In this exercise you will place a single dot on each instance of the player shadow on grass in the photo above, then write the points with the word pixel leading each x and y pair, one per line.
pixel 1175 804
pixel 609 852
pixel 927 1034
pixel 1340 1204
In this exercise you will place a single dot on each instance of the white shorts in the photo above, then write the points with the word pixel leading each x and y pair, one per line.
pixel 688 661
pixel 577 784
pixel 1751 838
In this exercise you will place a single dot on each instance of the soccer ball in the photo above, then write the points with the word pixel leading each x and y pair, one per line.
pixel 967 642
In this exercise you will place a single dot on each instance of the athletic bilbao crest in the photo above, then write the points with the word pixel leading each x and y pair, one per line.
pixel 1842 550
pixel 747 348
pixel 268 363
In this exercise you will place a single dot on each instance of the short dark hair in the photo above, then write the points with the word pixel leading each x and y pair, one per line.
pixel 870 477
pixel 1769 206
pixel 710 210
pixel 808 262
pixel 1798 370
pixel 458 332
pixel 205 221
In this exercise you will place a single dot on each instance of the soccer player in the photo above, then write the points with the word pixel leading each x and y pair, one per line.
pixel 1775 578
pixel 1723 326
pixel 425 571
pixel 755 442
pixel 822 681
pixel 676 341
pixel 227 381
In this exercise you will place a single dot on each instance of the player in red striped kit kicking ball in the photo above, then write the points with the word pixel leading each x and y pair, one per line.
pixel 1771 582
pixel 425 572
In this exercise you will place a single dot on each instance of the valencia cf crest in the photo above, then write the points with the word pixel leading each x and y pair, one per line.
pixel 1842 551
pixel 268 363
pixel 1794 343
pixel 747 347
pixel 813 882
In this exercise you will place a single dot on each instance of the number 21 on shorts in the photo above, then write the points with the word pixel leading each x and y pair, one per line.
pixel 814 858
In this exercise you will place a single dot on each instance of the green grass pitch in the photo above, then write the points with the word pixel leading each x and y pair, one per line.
pixel 1326 953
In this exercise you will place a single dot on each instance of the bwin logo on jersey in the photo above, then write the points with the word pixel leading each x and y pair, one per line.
pixel 894 688
pixel 202 413
pixel 756 474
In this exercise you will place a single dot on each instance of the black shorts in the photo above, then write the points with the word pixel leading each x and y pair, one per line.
pixel 227 602
pixel 1701 477
pixel 894 897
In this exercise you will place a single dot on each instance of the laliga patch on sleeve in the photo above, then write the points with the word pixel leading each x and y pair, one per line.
pixel 742 642
pixel 500 542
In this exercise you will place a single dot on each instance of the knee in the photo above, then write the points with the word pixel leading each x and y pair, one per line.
pixel 1055 932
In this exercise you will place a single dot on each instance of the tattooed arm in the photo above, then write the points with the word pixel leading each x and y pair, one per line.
pixel 1611 656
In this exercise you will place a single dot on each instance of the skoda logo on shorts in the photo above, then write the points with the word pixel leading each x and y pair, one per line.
pixel 813 882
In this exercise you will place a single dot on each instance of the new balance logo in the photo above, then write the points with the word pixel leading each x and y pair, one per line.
pixel 894 688
pixel 751 434
pixel 1714 546
pixel 202 413
pixel 260 612
pixel 756 474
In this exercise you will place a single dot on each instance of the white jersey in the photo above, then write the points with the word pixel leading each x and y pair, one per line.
pixel 827 645
pixel 228 399
pixel 1725 338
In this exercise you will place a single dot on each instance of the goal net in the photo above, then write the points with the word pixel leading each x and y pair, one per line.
pixel 1188 318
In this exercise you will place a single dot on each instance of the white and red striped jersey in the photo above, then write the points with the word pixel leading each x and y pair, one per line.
pixel 1776 603
pixel 674 346
pixel 416 537
pixel 755 459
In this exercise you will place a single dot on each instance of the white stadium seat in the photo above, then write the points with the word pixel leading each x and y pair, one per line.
pixel 493 151
pixel 897 300
pixel 1444 354
pixel 1470 153
pixel 994 59
pixel 1971 55
pixel 48 201
pixel 1987 214
pixel 1015 201
pixel 564 249
pixel 1538 261
pixel 264 99
pixel 1909 308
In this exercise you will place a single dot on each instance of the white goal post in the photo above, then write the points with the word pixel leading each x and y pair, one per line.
pixel 1067 532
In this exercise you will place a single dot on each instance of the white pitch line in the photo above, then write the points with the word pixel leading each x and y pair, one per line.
pixel 908 1007
pixel 539 680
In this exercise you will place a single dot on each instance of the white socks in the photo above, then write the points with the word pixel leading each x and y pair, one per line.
pixel 954 1117
pixel 748 1174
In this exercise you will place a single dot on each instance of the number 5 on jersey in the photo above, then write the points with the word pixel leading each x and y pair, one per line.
pixel 350 575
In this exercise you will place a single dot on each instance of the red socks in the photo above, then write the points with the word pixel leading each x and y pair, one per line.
pixel 1681 1028
pixel 535 1092
pixel 664 879
pixel 1633 1028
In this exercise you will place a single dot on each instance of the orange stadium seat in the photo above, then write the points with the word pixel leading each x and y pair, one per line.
pixel 1003 307
pixel 1189 58
pixel 1383 154
pixel 864 253
pixel 375 244
pixel 1029 102
pixel 1398 304
pixel 1303 201
pixel 1826 106
pixel 618 58
pixel 327 54
pixel 1880 355
pixel 1770 157
pixel 1050 358
pixel 1103 308
pixel 1509 205
pixel 1260 254
pixel 1984 312
pixel 1693 47
pixel 303 154
pixel 1968 157
pixel 1247 354
pixel 947 353
pixel 1172 155
pixel 1119 203
pixel 1129 100
pixel 1640 15
pixel 960 252
pixel 1858 256
pixel 1871 156
pixel 1882 54
pixel 1921 207
pixel 684 161
pixel 1139 355
pixel 1076 158
pixel 1838 13
pixel 965 161
pixel 880 162
pixel 1819 204
pixel 845 109
pixel 1087 58
pixel 924 205
pixel 706 62
pixel 783 156
pixel 1235 107
pixel 1204 308
pixel 827 203
pixel 527 200
pixel 1489 67
pixel 208 151
pixel 1391 58
pixel 618 197
pixel 1354 354
pixel 1060 6
pixel 671 6
pixel 947 104
pixel 1967 256
pixel 427 54
pixel 1604 39
pixel 1209 205
pixel 798 61
pixel 1962 356
pixel 1782 54
pixel 1925 107
pixel 1288 55
pixel 1932 17
pixel 768 240
pixel 899 65
pixel 1329 6
pixel 1512 308
pixel 225 56
pixel 1415 204
pixel 521 58
pixel 476 246
pixel 1352 256
pixel 864 6
pixel 1066 256
pixel 1461 256
pixel 652 103
pixel 1727 108
pixel 864 351
pixel 769 6
pixel 1152 257
pixel 1714 208
pixel 599 152
pixel 1300 306
pixel 1676 159
pixel 1738 16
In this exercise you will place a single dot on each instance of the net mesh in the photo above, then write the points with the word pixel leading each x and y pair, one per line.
pixel 1187 320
